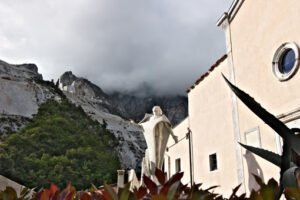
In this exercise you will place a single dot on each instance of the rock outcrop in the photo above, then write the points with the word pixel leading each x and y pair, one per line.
pixel 23 90
pixel 19 72
pixel 100 107
pixel 175 107
pixel 82 88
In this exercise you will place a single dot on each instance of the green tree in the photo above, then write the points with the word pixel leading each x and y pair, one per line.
pixel 59 145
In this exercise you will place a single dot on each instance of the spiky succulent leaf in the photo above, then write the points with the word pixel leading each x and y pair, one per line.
pixel 279 127
pixel 285 164
pixel 290 177
pixel 295 158
pixel 268 155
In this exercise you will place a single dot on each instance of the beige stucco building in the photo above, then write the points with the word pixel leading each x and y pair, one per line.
pixel 262 55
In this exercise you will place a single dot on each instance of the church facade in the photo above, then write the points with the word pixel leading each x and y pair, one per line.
pixel 262 58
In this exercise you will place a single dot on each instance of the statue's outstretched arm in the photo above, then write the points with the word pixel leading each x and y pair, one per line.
pixel 146 118
pixel 174 137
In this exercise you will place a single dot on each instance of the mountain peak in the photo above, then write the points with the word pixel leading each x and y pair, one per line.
pixel 21 71
pixel 71 83
pixel 67 78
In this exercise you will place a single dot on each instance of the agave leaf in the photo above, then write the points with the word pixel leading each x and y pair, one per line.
pixel 268 155
pixel 202 195
pixel 234 191
pixel 285 167
pixel 212 187
pixel 295 158
pixel 290 177
pixel 278 126
pixel 242 196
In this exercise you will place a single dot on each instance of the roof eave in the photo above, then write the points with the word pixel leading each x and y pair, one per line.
pixel 221 19
pixel 234 8
pixel 203 76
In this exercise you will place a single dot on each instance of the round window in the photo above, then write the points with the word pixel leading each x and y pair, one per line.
pixel 286 61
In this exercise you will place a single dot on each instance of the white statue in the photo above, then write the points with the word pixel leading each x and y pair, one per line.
pixel 157 129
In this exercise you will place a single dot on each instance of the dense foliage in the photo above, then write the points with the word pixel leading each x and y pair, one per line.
pixel 171 189
pixel 60 144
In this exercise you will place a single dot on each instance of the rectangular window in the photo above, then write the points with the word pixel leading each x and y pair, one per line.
pixel 213 165
pixel 252 137
pixel 177 165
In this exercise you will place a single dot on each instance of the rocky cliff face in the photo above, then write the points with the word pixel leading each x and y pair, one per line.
pixel 22 91
pixel 103 109
pixel 174 107
pixel 19 72
pixel 82 88
pixel 20 95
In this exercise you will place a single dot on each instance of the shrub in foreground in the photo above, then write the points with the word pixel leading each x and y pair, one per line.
pixel 171 189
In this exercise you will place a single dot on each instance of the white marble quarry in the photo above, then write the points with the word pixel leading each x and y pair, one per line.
pixel 21 94
pixel 96 104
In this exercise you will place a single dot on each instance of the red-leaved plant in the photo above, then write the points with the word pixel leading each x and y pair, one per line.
pixel 171 189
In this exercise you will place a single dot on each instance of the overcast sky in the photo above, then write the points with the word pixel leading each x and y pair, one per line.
pixel 117 44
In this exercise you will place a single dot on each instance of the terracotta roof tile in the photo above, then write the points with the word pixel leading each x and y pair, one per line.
pixel 202 77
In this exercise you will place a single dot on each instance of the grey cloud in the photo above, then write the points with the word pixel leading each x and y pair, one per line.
pixel 118 44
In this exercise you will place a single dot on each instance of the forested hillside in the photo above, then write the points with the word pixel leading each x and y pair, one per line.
pixel 59 145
